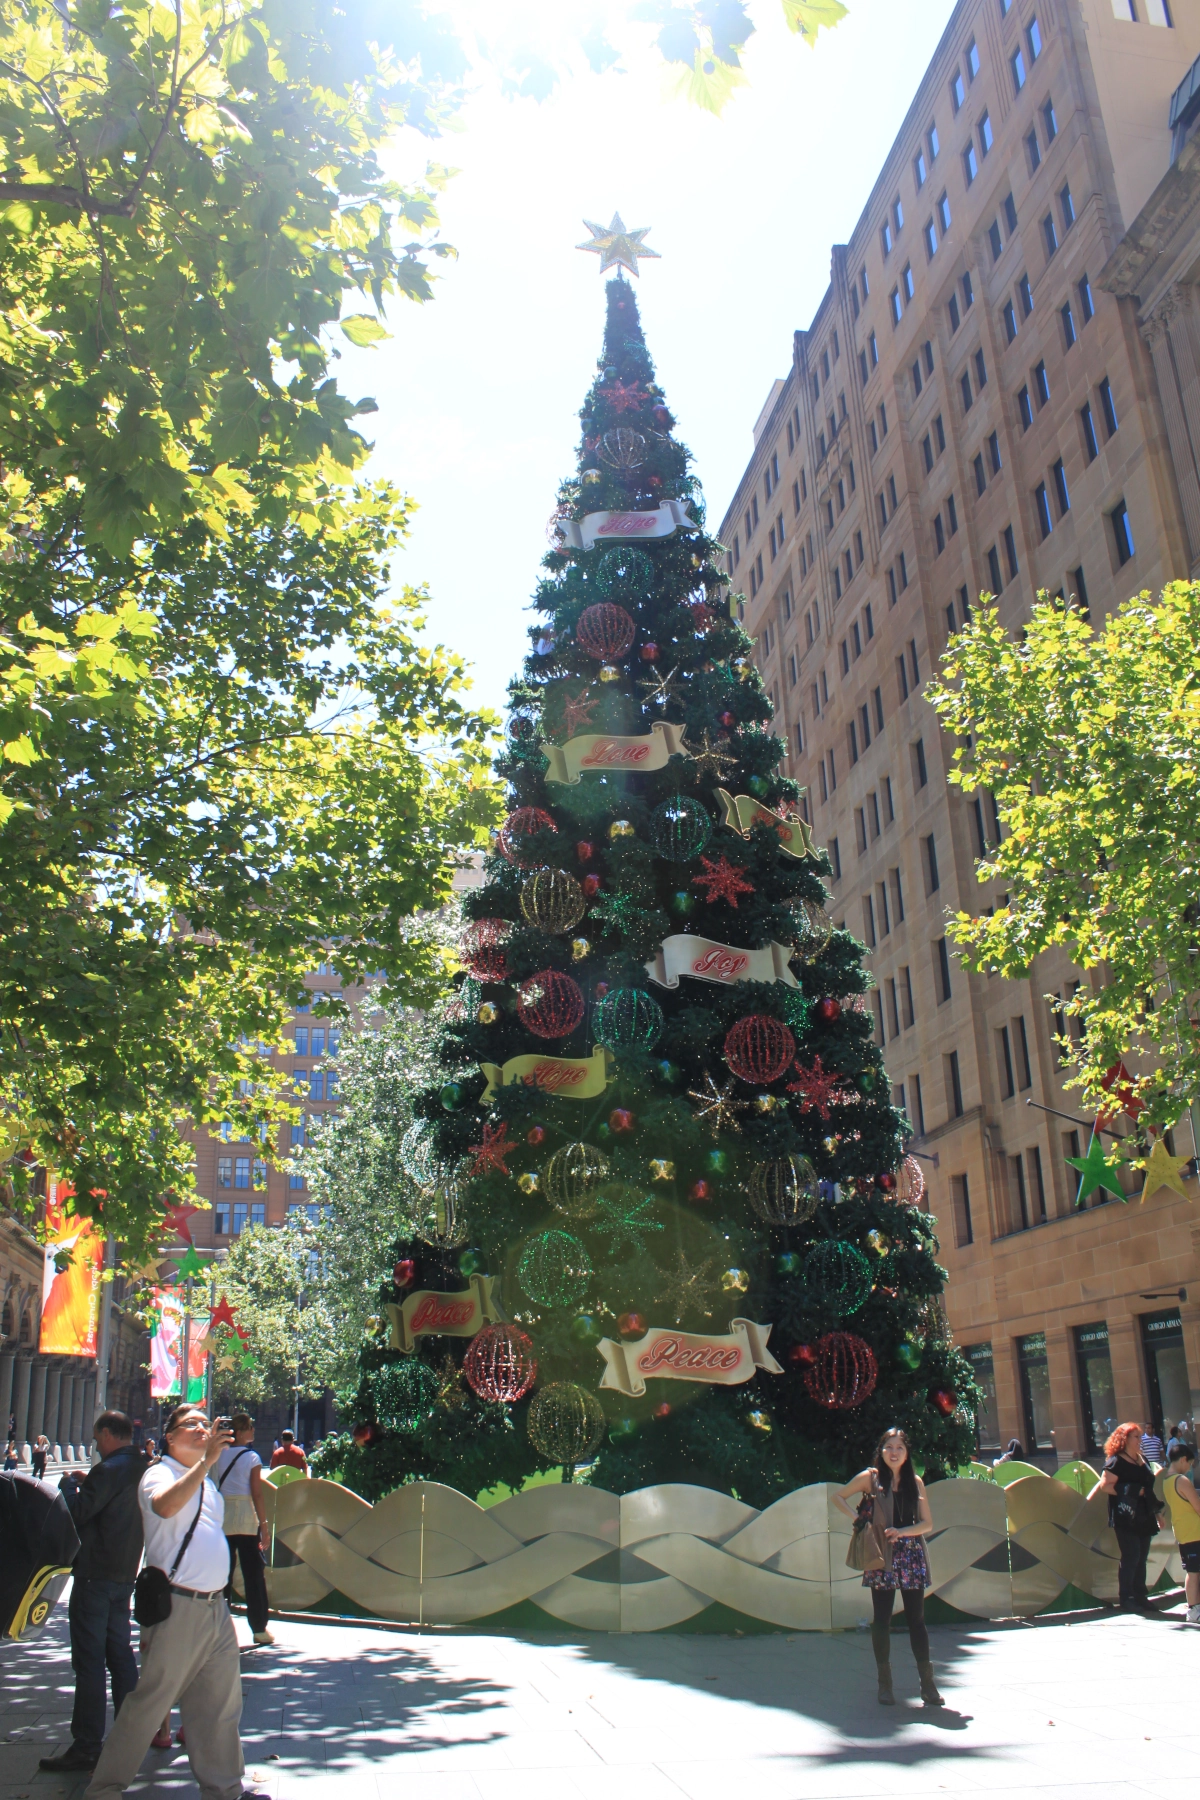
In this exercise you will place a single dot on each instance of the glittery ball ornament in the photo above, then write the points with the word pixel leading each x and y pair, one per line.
pixel 628 1019
pixel 552 901
pixel 623 448
pixel 419 1154
pixel 529 1182
pixel 910 1182
pixel 488 1013
pixel 735 1281
pixel 550 1004
pixel 566 1423
pixel 621 828
pixel 680 828
pixel 554 1268
pixel 839 1275
pixel 944 1401
pixel 829 1011
pixel 404 1393
pixel 404 1273
pixel 814 928
pixel 843 1372
pixel 625 574
pixel 759 1048
pixel 605 632
pixel 482 948
pixel 441 1220
pixel 572 1179
pixel 759 1420
pixel 512 840
pixel 500 1364
pixel 784 1191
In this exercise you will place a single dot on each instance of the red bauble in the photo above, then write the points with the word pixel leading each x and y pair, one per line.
pixel 550 1004
pixel 803 1355
pixel 728 720
pixel 600 989
pixel 585 850
pixel 699 1190
pixel 759 1048
pixel 655 482
pixel 366 1435
pixel 703 616
pixel 605 632
pixel 500 1364
pixel 843 1371
pixel 591 885
pixel 631 1324
pixel 649 652
pixel 662 1410
pixel 518 826
pixel 536 1135
pixel 661 416
pixel 886 1181
pixel 405 1272
pixel 945 1401
pixel 482 948
pixel 620 1119
pixel 829 1011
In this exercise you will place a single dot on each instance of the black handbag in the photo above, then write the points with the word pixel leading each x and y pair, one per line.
pixel 152 1589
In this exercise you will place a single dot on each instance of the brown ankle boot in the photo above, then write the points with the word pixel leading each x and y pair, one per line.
pixel 929 1693
pixel 884 1673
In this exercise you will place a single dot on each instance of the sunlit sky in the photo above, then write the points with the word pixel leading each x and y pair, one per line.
pixel 479 390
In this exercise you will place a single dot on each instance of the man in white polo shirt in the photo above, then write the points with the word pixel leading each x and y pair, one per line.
pixel 191 1658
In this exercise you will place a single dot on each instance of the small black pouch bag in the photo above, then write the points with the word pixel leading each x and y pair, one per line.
pixel 152 1589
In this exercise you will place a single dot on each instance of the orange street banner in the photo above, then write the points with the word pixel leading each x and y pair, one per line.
pixel 74 1258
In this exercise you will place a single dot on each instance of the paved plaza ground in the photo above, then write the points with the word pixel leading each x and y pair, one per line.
pixel 1103 1706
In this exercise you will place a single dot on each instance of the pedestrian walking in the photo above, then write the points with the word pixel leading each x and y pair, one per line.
pixel 892 1499
pixel 239 1479
pixel 38 1456
pixel 1152 1448
pixel 1180 1435
pixel 1133 1509
pixel 1014 1453
pixel 288 1454
pixel 1183 1504
pixel 104 1507
pixel 190 1651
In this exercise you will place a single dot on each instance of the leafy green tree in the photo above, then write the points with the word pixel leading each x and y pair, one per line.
pixel 270 1279
pixel 220 745
pixel 1089 741
pixel 658 1100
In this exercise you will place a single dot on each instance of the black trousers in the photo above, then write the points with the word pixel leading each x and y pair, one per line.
pixel 883 1601
pixel 1131 1575
pixel 99 1619
pixel 246 1551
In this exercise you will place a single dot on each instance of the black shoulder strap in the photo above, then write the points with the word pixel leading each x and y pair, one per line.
pixel 190 1530
pixel 233 1462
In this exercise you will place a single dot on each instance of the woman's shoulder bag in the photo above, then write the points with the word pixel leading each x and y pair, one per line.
pixel 867 1551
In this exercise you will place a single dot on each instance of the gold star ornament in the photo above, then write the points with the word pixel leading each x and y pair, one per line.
pixel 617 247
pixel 1163 1171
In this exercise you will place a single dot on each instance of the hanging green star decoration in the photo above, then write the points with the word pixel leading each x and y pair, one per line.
pixel 617 247
pixel 1097 1171
pixel 189 1265
pixel 623 1223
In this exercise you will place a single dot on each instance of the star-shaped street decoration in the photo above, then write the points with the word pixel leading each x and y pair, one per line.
pixel 221 1314
pixel 710 759
pixel 660 688
pixel 624 1222
pixel 722 880
pixel 189 1265
pixel 616 247
pixel 493 1150
pixel 1163 1171
pixel 716 1106
pixel 226 1362
pixel 175 1220
pixel 818 1090
pixel 1097 1171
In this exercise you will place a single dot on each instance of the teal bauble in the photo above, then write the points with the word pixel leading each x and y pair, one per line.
pixel 717 1162
pixel 585 1329
pixel 787 1263
pixel 908 1355
pixel 682 904
pixel 669 1073
pixel 628 1019
pixel 625 574
pixel 470 1262
pixel 404 1393
pixel 759 786
pixel 680 828
pixel 621 1431
pixel 452 1095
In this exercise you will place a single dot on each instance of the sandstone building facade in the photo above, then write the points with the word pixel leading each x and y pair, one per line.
pixel 1000 392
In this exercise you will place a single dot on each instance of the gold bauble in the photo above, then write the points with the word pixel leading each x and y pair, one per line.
pixel 552 900
pixel 529 1182
pixel 829 1145
pixel 573 1177
pixel 566 1423
pixel 743 668
pixel 766 1103
pixel 661 1169
pixel 761 1421
pixel 590 476
pixel 488 1013
pixel 609 672
pixel 877 1242
pixel 735 1281
pixel 621 828
pixel 580 947
pixel 784 1191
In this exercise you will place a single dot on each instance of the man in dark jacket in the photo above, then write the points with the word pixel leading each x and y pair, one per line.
pixel 104 1506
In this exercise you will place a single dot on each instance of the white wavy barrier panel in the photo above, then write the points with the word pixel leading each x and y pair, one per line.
pixel 657 1558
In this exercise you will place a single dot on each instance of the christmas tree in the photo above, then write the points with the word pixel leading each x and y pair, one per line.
pixel 665 1217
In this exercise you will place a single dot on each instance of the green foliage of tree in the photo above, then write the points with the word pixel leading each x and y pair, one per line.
pixel 1089 739
pixel 268 1279
pixel 221 745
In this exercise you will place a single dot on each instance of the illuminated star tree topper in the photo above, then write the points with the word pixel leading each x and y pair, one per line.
pixel 617 247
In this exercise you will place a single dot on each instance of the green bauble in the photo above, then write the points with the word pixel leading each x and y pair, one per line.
pixel 759 786
pixel 585 1330
pixel 404 1394
pixel 680 828
pixel 908 1355
pixel 717 1162
pixel 554 1268
pixel 838 1274
pixel 787 1263
pixel 669 1073
pixel 628 1019
pixel 622 1430
pixel 625 574
pixel 452 1095
pixel 682 904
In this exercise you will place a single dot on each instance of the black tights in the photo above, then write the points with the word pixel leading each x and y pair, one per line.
pixel 883 1600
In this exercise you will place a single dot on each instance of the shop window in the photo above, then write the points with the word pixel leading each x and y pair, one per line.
pixel 1034 1371
pixel 1097 1394
pixel 1167 1380
pixel 987 1419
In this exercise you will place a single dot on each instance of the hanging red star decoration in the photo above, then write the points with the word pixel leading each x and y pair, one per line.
pixel 175 1220
pixel 578 710
pixel 723 880
pixel 494 1148
pixel 221 1314
pixel 1118 1082
pixel 818 1090
pixel 621 398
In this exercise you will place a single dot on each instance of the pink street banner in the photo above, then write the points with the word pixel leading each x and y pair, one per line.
pixel 705 960
pixel 665 1354
pixel 166 1348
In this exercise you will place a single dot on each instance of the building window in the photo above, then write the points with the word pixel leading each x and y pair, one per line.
pixel 1087 305
pixel 224 1171
pixel 980 477
pixel 931 240
pixel 1042 502
pixel 1066 207
pixel 835 858
pixel 898 915
pixel 906 281
pixel 1033 37
pixel 993 562
pixel 968 291
pixel 1122 534
pixel 1004 1057
pixel 1009 316
pixel 1033 151
pixel 970 164
pixel 1070 335
pixel 1010 213
pixel 1059 475
pixel 953 314
pixel 920 772
pixel 1096 1388
pixel 894 306
pixel 1035 1391
pixel 1079 591
pixel 1050 234
pixel 1041 382
pixel 1025 408
pixel 995 240
pixel 967 396
pixel 980 370
pixel 1050 121
pixel 1107 408
pixel 993 449
pixel 221 1219
pixel 1016 63
pixel 1010 553
pixel 241 1172
pixel 954 1099
pixel 958 92
pixel 943 211
pixel 929 846
pixel 972 60
pixel 986 138
pixel 939 534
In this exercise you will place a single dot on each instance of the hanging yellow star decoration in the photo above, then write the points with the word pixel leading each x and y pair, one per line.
pixel 1163 1171
pixel 616 246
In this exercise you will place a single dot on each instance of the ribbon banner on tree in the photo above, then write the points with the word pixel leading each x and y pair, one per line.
pixel 706 960
pixel 429 1314
pixel 742 812
pixel 665 1354
pixel 625 527
pixel 599 750
pixel 567 1077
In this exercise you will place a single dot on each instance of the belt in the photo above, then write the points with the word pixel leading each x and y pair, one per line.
pixel 198 1593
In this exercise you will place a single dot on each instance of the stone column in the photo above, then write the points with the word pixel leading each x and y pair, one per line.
pixel 81 1419
pixel 66 1408
pixel 37 1400
pixel 50 1400
pixel 7 1362
pixel 1176 374
pixel 20 1404
pixel 1128 1367
pixel 87 1412
pixel 1009 1408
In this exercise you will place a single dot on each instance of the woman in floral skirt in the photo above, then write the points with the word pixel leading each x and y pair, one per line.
pixel 892 1497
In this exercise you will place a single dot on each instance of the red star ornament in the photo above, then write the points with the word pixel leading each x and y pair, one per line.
pixel 494 1148
pixel 621 398
pixel 724 880
pixel 817 1090
pixel 578 711
pixel 1117 1081
pixel 175 1220
pixel 221 1314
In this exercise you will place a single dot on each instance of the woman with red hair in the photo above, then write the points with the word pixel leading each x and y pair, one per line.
pixel 1133 1509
